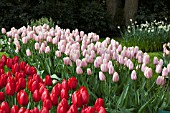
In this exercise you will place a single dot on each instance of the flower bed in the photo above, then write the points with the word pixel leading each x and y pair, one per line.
pixel 106 69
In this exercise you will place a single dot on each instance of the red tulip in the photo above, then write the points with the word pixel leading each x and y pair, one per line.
pixel 47 103
pixel 1 65
pixel 33 70
pixel 3 59
pixel 57 89
pixel 73 109
pixel 41 89
pixel 90 110
pixel 15 68
pixel 32 85
pixel 21 110
pixel 1 71
pixel 27 70
pixel 22 83
pixel 54 98
pixel 9 62
pixel 101 110
pixel 36 110
pixel 5 107
pixel 8 73
pixel 22 98
pixel 84 109
pixel 2 97
pixel 15 59
pixel 37 78
pixel 99 102
pixel 77 99
pixel 72 83
pixel 10 88
pixel 85 95
pixel 64 85
pixel 62 106
pixel 44 110
pixel 36 96
pixel 48 80
pixel 45 95
pixel 27 111
pixel 3 80
pixel 64 94
pixel 22 65
pixel 14 109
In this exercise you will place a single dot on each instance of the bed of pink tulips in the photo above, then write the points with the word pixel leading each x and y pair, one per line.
pixel 106 68
pixel 23 91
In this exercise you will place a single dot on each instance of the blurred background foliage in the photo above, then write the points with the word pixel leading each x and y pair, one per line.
pixel 99 16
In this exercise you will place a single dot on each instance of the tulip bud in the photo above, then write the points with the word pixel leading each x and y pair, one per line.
pixel 47 104
pixel 28 52
pixel 102 76
pixel 155 61
pixel 160 80
pixel 2 96
pixel 3 30
pixel 89 71
pixel 115 77
pixel 36 96
pixel 22 98
pixel 133 75
pixel 148 72
pixel 72 83
pixel 14 109
pixel 158 68
pixel 165 72
pixel 99 102
pixel 5 107
pixel 48 80
pixel 79 70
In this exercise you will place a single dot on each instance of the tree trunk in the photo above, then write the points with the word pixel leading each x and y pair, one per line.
pixel 111 8
pixel 130 9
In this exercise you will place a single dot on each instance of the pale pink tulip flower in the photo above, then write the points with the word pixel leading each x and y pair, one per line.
pixel 155 61
pixel 148 72
pixel 102 77
pixel 165 72
pixel 146 59
pixel 115 77
pixel 89 72
pixel 168 67
pixel 58 53
pixel 3 30
pixel 158 68
pixel 160 80
pixel 28 52
pixel 133 75
pixel 37 46
pixel 79 70
pixel 47 49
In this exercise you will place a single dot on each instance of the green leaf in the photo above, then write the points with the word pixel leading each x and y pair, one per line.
pixel 144 106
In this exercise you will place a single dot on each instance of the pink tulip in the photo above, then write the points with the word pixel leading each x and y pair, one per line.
pixel 148 72
pixel 115 77
pixel 133 75
pixel 84 62
pixel 89 71
pixel 146 59
pixel 28 52
pixel 3 30
pixel 47 49
pixel 79 70
pixel 81 33
pixel 119 48
pixel 104 67
pixel 101 76
pixel 160 62
pixel 121 59
pixel 158 68
pixel 78 62
pixel 49 39
pixel 160 80
pixel 55 40
pixel 66 60
pixel 37 46
pixel 139 59
pixel 168 67
pixel 111 69
pixel 130 64
pixel 155 61
pixel 165 72
pixel 58 54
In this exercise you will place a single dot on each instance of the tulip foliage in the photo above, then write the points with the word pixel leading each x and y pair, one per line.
pixel 124 76
pixel 22 90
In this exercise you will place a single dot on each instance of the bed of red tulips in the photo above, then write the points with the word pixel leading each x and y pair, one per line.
pixel 22 90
